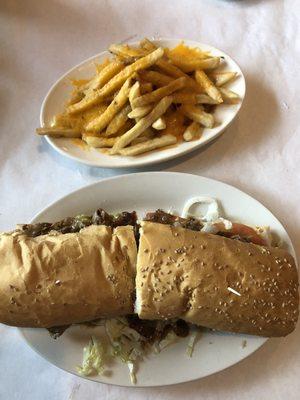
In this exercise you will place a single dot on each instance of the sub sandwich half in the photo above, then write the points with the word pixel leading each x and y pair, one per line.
pixel 214 281
pixel 49 278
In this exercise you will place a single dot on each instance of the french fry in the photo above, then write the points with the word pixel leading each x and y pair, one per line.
pixel 192 65
pixel 96 142
pixel 159 124
pixel 221 78
pixel 196 113
pixel 104 76
pixel 175 72
pixel 170 69
pixel 193 131
pixel 192 98
pixel 118 121
pixel 116 82
pixel 142 124
pixel 155 77
pixel 147 44
pixel 158 94
pixel 146 87
pixel 127 51
pixel 149 145
pixel 148 134
pixel 208 86
pixel 99 123
pixel 56 132
pixel 139 112
pixel 229 97
pixel 205 99
pixel 134 93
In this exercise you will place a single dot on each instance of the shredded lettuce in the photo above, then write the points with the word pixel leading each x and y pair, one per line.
pixel 131 367
pixel 127 344
pixel 191 343
pixel 167 341
pixel 93 358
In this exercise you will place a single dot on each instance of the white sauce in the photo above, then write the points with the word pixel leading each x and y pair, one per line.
pixel 212 215
pixel 212 212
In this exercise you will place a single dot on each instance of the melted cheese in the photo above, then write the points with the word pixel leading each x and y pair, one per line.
pixel 181 50
pixel 175 125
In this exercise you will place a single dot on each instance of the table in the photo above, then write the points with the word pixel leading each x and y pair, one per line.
pixel 259 153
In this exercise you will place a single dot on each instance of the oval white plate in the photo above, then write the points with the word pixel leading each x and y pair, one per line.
pixel 60 92
pixel 143 192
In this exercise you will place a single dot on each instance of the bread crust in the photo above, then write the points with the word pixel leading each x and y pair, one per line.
pixel 60 279
pixel 215 282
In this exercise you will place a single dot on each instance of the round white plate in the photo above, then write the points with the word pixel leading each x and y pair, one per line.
pixel 60 92
pixel 144 192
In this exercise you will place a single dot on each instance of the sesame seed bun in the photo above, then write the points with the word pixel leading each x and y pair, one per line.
pixel 215 282
pixel 60 279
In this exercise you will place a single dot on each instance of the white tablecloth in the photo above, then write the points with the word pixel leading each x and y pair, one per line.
pixel 259 153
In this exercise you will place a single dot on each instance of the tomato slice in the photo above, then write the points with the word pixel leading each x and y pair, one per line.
pixel 241 230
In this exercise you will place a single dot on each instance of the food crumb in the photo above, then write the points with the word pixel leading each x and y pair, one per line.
pixel 244 344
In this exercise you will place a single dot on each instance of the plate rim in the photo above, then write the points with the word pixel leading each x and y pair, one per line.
pixel 141 163
pixel 22 331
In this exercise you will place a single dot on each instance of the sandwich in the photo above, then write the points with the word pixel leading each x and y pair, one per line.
pixel 167 268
